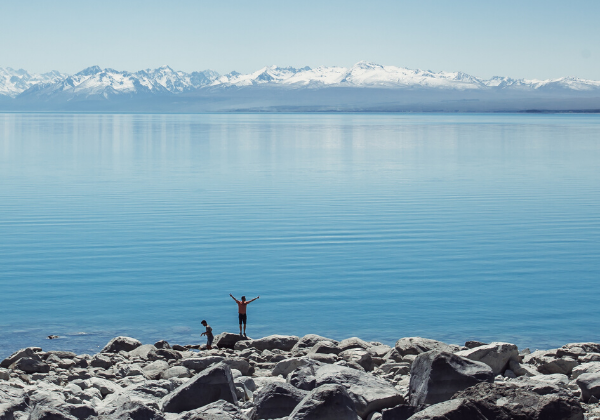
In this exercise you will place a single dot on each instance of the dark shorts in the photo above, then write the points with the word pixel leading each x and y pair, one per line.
pixel 209 340
pixel 242 318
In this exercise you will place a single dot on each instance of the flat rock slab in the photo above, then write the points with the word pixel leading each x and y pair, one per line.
pixel 272 342
pixel 418 345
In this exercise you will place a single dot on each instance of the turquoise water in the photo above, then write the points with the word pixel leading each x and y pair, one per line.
pixel 450 226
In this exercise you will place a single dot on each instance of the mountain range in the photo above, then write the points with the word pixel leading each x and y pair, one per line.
pixel 362 87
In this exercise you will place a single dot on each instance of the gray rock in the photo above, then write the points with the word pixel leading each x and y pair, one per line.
pixel 168 354
pixel 155 369
pixel 323 358
pixel 277 400
pixel 353 343
pixel 176 372
pixel 380 350
pixel 458 409
pixel 590 357
pixel 521 369
pixel 60 354
pixel 162 344
pixel 436 375
pixel 326 402
pixel 104 386
pixel 26 352
pixel 118 344
pixel 505 401
pixel 368 392
pixel 145 351
pixel 564 366
pixel 135 410
pixel 227 340
pixel 360 356
pixel 4 374
pixel 393 355
pixel 286 366
pixel 418 345
pixel 303 377
pixel 272 342
pixel 210 385
pixel 400 412
pixel 589 383
pixel 240 364
pixel 307 342
pixel 101 361
pixel 198 364
pixel 495 355
pixel 49 413
pixel 586 347
pixel 396 368
pixel 472 344
pixel 31 365
pixel 590 367
pixel 325 347
pixel 219 410
pixel 248 383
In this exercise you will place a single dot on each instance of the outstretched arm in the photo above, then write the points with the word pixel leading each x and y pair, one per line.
pixel 237 301
pixel 253 299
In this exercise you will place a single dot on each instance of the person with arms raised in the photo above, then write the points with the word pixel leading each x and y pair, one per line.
pixel 242 311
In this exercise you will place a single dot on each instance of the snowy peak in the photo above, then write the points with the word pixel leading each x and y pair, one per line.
pixel 95 81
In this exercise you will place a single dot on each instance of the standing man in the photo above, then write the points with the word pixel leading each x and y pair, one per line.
pixel 242 310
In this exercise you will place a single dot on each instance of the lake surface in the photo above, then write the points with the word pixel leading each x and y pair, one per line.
pixel 447 226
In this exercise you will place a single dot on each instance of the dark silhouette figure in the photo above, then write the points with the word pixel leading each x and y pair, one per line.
pixel 242 311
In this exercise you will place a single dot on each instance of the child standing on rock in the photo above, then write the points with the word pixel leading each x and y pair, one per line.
pixel 209 335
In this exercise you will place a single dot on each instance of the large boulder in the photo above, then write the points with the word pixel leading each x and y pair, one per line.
pixel 118 344
pixel 49 413
pixel 353 343
pixel 219 410
pixel 589 383
pixel 227 340
pixel 286 366
pixel 101 361
pixel 590 367
pixel 145 351
pixel 27 352
pixel 276 400
pixel 272 342
pixel 368 392
pixel 507 401
pixel 303 377
pixel 563 365
pixel 495 355
pixel 325 403
pixel 418 345
pixel 155 369
pixel 31 365
pixel 325 347
pixel 240 364
pixel 210 385
pixel 307 342
pixel 458 409
pixel 435 376
pixel 359 356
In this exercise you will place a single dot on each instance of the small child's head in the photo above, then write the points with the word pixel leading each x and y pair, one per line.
pixel 204 323
pixel 243 298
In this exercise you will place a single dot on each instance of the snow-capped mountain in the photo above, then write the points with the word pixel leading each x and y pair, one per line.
pixel 13 82
pixel 363 86
pixel 97 82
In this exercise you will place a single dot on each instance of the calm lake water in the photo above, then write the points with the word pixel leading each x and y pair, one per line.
pixel 452 227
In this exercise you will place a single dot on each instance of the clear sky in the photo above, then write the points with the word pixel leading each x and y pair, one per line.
pixel 531 39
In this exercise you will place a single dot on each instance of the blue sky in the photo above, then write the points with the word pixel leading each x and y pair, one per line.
pixel 532 39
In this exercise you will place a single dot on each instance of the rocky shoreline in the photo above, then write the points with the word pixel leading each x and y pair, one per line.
pixel 303 378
